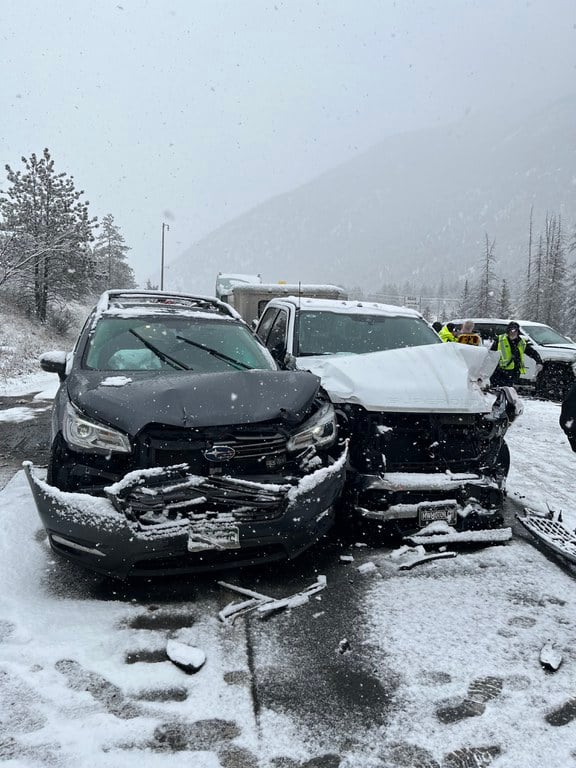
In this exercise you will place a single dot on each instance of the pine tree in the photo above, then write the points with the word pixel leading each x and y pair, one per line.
pixel 51 231
pixel 554 288
pixel 484 304
pixel 464 305
pixel 109 254
pixel 504 307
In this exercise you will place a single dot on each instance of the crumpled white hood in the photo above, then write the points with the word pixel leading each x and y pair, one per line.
pixel 442 378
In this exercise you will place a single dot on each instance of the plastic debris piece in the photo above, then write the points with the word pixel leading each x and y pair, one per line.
pixel 551 533
pixel 366 567
pixel 487 536
pixel 344 646
pixel 550 657
pixel 426 558
pixel 189 658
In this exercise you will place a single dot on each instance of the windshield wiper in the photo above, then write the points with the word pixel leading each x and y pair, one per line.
pixel 166 358
pixel 217 354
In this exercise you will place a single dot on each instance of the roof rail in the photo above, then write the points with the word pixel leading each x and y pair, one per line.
pixel 133 297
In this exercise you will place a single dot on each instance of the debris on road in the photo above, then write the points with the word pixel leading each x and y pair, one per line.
pixel 189 658
pixel 440 533
pixel 293 601
pixel 265 604
pixel 550 657
pixel 346 558
pixel 344 646
pixel 368 567
pixel 419 559
pixel 552 533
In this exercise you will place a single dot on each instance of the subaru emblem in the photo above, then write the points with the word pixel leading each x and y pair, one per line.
pixel 219 453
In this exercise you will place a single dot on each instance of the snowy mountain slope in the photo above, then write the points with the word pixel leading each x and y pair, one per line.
pixel 414 205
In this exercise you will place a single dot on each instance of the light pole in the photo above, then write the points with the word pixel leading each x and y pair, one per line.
pixel 164 226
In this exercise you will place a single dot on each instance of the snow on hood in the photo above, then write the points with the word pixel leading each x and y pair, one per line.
pixel 443 378
pixel 194 400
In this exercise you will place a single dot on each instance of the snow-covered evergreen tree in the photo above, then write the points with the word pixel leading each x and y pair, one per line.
pixel 465 301
pixel 484 300
pixel 554 289
pixel 50 231
pixel 504 303
pixel 109 254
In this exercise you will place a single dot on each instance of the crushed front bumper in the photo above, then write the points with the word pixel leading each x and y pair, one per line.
pixel 167 521
pixel 406 502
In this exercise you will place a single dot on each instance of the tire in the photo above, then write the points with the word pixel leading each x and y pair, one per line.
pixel 502 465
pixel 553 381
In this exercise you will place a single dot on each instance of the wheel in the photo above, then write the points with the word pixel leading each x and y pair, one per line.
pixel 553 381
pixel 502 465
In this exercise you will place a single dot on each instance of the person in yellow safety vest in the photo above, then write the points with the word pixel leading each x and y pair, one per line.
pixel 447 332
pixel 512 348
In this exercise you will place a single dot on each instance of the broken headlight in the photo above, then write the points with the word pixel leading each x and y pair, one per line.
pixel 319 431
pixel 84 435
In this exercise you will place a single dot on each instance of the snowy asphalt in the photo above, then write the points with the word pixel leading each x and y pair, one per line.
pixel 433 667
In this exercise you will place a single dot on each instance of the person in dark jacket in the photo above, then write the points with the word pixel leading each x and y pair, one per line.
pixel 568 416
pixel 512 348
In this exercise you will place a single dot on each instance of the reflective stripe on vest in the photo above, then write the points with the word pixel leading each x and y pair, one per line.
pixel 505 349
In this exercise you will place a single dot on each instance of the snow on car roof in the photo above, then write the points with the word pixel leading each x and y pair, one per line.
pixel 499 321
pixel 158 311
pixel 352 307
pixel 239 276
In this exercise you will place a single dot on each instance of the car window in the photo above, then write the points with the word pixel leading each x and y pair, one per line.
pixel 174 343
pixel 490 331
pixel 277 336
pixel 322 333
pixel 543 334
pixel 266 323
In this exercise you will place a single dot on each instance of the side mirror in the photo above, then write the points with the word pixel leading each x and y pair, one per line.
pixel 54 362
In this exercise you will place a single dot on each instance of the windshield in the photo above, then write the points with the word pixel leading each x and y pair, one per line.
pixel 174 343
pixel 327 333
pixel 543 334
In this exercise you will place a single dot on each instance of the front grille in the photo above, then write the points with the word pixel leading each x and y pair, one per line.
pixel 157 498
pixel 254 452
pixel 419 442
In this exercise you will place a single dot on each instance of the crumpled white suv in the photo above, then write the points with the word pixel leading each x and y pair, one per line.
pixel 426 434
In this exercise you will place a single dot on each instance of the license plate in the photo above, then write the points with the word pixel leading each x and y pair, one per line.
pixel 213 536
pixel 430 513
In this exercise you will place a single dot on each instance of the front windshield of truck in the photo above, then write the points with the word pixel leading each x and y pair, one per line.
pixel 543 334
pixel 333 333
pixel 196 344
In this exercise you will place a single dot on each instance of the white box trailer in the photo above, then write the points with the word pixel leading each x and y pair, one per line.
pixel 250 300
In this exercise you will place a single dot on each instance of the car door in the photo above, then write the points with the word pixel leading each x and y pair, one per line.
pixel 265 323
pixel 277 338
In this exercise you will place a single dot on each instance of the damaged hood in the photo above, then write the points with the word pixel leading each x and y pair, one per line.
pixel 193 399
pixel 437 378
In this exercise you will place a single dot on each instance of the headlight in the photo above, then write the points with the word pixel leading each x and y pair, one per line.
pixel 318 431
pixel 84 435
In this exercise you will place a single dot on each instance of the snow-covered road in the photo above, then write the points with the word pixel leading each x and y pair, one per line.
pixel 441 666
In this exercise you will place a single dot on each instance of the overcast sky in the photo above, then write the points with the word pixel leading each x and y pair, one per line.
pixel 193 111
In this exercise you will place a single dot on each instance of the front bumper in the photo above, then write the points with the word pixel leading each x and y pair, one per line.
pixel 166 521
pixel 407 502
